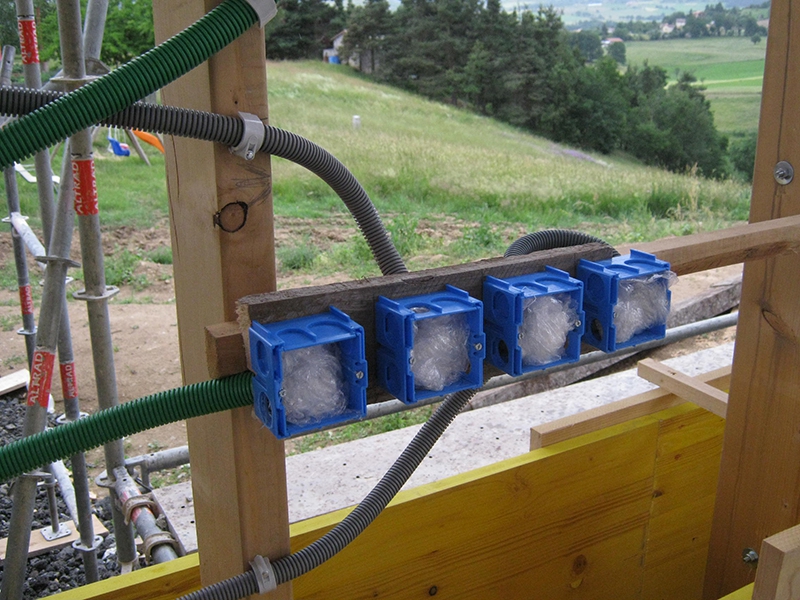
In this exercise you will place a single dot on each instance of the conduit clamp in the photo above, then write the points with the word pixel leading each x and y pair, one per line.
pixel 135 502
pixel 252 138
pixel 156 539
pixel 265 574
pixel 265 9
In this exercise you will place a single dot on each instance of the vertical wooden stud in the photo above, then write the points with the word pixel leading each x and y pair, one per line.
pixel 759 486
pixel 238 468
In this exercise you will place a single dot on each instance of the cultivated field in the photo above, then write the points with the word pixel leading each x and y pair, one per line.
pixel 731 70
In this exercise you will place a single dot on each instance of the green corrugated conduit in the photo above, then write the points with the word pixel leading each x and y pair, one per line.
pixel 122 87
pixel 145 413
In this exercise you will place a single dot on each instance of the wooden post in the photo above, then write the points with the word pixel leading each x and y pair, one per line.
pixel 760 470
pixel 238 468
pixel 778 575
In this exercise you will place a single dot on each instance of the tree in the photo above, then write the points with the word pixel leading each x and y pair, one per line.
pixel 303 28
pixel 755 39
pixel 367 29
pixel 129 31
pixel 588 43
pixel 617 52
pixel 743 155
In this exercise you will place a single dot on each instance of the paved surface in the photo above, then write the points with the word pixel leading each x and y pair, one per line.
pixel 339 476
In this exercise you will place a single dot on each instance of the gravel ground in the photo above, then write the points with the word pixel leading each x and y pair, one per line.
pixel 60 569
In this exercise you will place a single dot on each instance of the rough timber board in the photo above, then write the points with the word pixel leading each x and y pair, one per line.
pixel 39 545
pixel 760 468
pixel 779 566
pixel 580 519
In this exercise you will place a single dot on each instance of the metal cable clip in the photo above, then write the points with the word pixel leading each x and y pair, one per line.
pixel 156 539
pixel 135 502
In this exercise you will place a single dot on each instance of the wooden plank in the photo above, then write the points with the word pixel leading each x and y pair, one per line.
pixel 14 381
pixel 39 545
pixel 703 251
pixel 745 593
pixel 617 412
pixel 687 466
pixel 778 575
pixel 760 469
pixel 683 386
pixel 165 581
pixel 561 522
pixel 238 470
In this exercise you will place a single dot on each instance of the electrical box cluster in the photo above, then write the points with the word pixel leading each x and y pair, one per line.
pixel 311 372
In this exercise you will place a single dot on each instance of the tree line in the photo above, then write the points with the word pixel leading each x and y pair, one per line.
pixel 526 69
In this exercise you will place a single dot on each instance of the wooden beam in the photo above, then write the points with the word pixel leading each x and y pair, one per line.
pixel 703 251
pixel 238 470
pixel 778 575
pixel 760 470
pixel 225 349
pixel 683 386
pixel 14 381
pixel 615 413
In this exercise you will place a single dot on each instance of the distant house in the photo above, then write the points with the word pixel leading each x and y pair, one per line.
pixel 612 40
pixel 680 23
pixel 331 55
pixel 667 28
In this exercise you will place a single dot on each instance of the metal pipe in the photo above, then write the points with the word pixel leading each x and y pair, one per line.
pixel 29 46
pixel 159 545
pixel 96 294
pixel 61 473
pixel 170 458
pixel 94 28
pixel 24 491
pixel 52 502
pixel 24 231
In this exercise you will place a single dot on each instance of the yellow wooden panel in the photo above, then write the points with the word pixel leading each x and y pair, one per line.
pixel 745 593
pixel 516 532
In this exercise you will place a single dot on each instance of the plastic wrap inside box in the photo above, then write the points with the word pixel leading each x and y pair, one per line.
pixel 310 372
pixel 533 321
pixel 429 345
pixel 626 300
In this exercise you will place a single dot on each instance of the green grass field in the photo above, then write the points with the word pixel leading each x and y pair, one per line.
pixel 451 185
pixel 731 70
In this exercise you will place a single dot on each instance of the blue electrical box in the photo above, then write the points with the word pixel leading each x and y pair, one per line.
pixel 413 374
pixel 504 305
pixel 269 344
pixel 603 299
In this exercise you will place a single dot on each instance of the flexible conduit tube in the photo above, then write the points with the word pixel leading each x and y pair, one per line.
pixel 124 86
pixel 126 419
pixel 229 131
pixel 548 239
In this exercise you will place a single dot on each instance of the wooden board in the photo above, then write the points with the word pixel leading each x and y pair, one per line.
pixel 760 477
pixel 617 412
pixel 778 575
pixel 39 545
pixel 683 386
pixel 617 514
pixel 238 472
pixel 703 251
pixel 14 381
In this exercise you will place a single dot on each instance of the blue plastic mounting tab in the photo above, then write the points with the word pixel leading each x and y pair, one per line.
pixel 504 304
pixel 394 333
pixel 601 287
pixel 269 341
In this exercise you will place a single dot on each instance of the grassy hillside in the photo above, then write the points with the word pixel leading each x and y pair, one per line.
pixel 731 69
pixel 451 185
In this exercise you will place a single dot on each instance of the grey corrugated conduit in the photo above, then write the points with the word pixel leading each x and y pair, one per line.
pixel 229 131
pixel 547 239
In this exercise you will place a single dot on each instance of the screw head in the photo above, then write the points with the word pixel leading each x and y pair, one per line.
pixel 282 393
pixel 478 347
pixel 578 323
pixel 750 556
pixel 783 173
pixel 359 374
